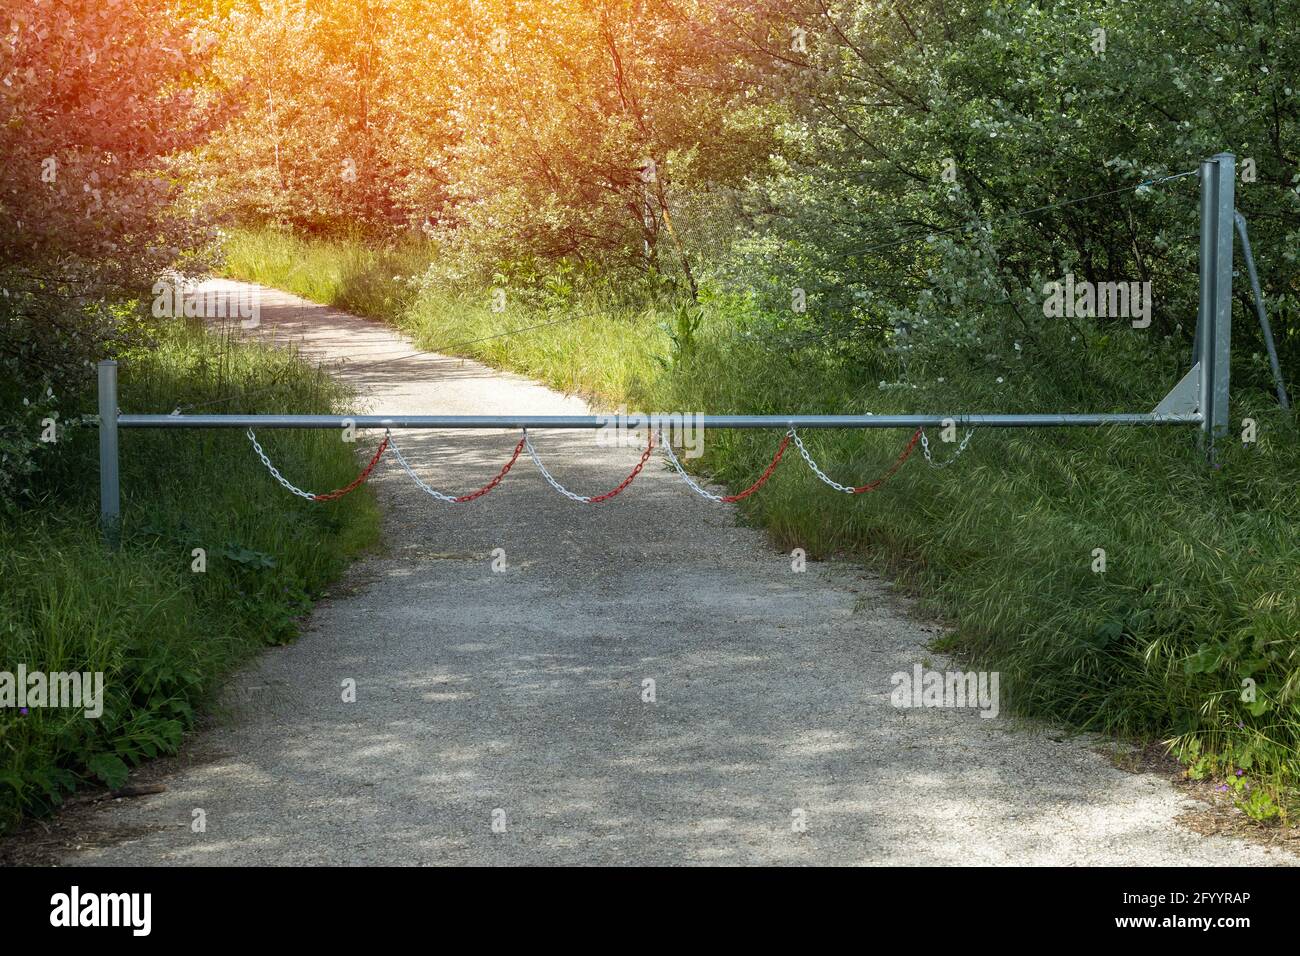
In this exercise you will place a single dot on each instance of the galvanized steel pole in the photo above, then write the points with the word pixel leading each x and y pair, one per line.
pixel 633 422
pixel 110 500
pixel 1214 316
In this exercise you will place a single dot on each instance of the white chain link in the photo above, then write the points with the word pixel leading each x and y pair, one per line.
pixel 275 473
pixel 925 447
pixel 392 445
pixel 813 465
pixel 532 453
pixel 690 482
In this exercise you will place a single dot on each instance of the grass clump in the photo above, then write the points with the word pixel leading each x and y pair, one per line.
pixel 163 634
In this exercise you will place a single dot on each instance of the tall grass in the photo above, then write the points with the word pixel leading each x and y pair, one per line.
pixel 1201 588
pixel 1200 597
pixel 163 634
pixel 591 344
pixel 366 280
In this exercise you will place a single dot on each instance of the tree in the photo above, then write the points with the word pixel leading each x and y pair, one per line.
pixel 95 101
pixel 96 98
pixel 919 132
pixel 544 129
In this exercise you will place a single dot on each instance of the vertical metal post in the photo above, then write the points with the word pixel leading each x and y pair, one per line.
pixel 1214 316
pixel 110 496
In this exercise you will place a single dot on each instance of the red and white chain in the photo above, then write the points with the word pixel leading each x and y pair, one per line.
pixel 690 482
pixel 869 486
pixel 526 443
pixel 432 493
pixel 925 448
pixel 334 495
pixel 466 498
pixel 275 472
pixel 798 443
pixel 585 499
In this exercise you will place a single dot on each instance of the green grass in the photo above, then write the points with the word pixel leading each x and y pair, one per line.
pixel 340 272
pixel 164 635
pixel 1202 583
pixel 1202 580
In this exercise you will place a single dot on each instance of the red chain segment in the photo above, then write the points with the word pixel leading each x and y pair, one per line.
pixel 898 463
pixel 495 481
pixel 645 456
pixel 776 460
pixel 359 479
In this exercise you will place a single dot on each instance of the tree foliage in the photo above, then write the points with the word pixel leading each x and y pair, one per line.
pixel 98 98
pixel 1027 107
pixel 539 128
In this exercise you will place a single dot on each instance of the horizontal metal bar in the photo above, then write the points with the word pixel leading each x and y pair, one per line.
pixel 640 421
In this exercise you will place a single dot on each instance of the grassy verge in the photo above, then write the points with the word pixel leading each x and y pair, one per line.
pixel 1190 635
pixel 591 344
pixel 163 633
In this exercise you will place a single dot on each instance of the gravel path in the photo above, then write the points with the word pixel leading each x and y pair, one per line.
pixel 516 697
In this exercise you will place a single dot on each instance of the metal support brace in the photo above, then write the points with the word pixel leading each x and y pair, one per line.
pixel 1265 329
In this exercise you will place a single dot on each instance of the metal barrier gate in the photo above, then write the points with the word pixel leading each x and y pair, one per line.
pixel 1200 398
